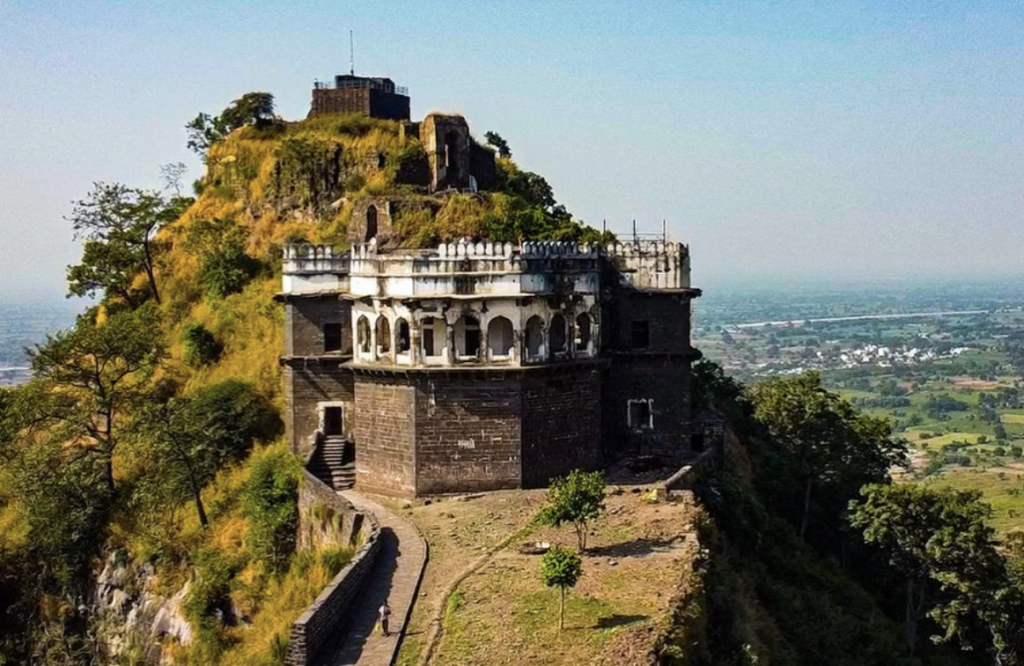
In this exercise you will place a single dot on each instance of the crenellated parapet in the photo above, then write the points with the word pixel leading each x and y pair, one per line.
pixel 312 268
pixel 652 265
pixel 484 268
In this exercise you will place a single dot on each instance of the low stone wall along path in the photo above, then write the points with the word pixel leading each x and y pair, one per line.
pixel 396 577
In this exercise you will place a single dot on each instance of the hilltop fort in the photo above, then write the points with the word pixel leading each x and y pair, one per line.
pixel 477 365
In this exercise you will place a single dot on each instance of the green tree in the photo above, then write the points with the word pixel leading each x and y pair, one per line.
pixel 119 226
pixel 94 375
pixel 826 444
pixel 194 436
pixel 495 140
pixel 254 108
pixel 576 498
pixel 270 503
pixel 203 131
pixel 561 568
pixel 939 540
pixel 228 270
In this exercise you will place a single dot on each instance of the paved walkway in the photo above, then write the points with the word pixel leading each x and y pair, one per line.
pixel 396 577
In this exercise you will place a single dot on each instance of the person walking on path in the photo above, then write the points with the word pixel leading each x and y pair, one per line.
pixel 382 617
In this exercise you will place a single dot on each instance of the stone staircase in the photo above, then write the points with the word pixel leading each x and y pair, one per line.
pixel 334 462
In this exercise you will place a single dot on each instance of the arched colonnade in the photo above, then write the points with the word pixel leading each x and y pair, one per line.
pixel 490 338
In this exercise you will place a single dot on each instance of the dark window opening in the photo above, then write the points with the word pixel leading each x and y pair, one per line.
pixel 371 223
pixel 363 332
pixel 333 421
pixel 582 341
pixel 383 335
pixel 381 160
pixel 640 415
pixel 467 336
pixel 428 341
pixel 534 337
pixel 451 151
pixel 697 442
pixel 332 337
pixel 402 336
pixel 557 333
pixel 641 334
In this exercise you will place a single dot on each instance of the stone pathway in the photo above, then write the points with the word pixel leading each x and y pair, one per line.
pixel 396 577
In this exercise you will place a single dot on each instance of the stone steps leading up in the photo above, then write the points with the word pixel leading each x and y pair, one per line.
pixel 334 463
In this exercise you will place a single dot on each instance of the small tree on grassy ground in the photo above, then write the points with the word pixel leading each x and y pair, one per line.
pixel 561 568
pixel 577 498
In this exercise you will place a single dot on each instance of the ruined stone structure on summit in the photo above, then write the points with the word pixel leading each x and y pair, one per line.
pixel 476 365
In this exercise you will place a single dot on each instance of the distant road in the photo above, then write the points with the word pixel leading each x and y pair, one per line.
pixel 907 315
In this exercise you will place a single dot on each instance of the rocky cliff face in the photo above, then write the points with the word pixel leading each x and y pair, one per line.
pixel 129 618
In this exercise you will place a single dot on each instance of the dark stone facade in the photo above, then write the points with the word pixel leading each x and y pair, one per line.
pixel 314 376
pixel 374 97
pixel 477 425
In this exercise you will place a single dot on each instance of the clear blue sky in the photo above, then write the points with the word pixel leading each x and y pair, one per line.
pixel 778 139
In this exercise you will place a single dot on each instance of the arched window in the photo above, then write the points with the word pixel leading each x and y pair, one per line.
pixel 402 342
pixel 582 342
pixel 467 336
pixel 363 333
pixel 500 336
pixel 371 223
pixel 432 336
pixel 534 337
pixel 383 335
pixel 557 334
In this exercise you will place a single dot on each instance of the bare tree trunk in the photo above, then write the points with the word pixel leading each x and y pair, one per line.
pixel 109 473
pixel 561 609
pixel 807 507
pixel 199 507
pixel 910 627
pixel 149 272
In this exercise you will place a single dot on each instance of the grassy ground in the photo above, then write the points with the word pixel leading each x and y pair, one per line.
pixel 1002 487
pixel 502 614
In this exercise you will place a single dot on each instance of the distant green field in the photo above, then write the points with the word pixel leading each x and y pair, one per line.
pixel 1003 490
pixel 935 443
pixel 1017 419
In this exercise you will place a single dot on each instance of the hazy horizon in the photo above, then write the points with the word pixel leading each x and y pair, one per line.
pixel 796 142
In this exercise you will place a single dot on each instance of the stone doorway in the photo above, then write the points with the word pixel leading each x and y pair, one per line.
pixel 333 421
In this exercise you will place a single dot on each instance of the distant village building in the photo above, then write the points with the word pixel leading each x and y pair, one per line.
pixel 477 365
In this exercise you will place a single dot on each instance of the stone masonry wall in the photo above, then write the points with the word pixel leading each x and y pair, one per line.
pixel 468 432
pixel 325 518
pixel 324 621
pixel 561 424
pixel 384 434
pixel 306 385
pixel 663 381
pixel 304 321
pixel 667 317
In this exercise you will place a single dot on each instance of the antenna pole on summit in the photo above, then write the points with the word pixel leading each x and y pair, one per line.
pixel 351 55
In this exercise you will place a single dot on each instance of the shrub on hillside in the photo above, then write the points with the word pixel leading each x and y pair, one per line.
pixel 270 503
pixel 201 347
pixel 246 415
pixel 228 271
